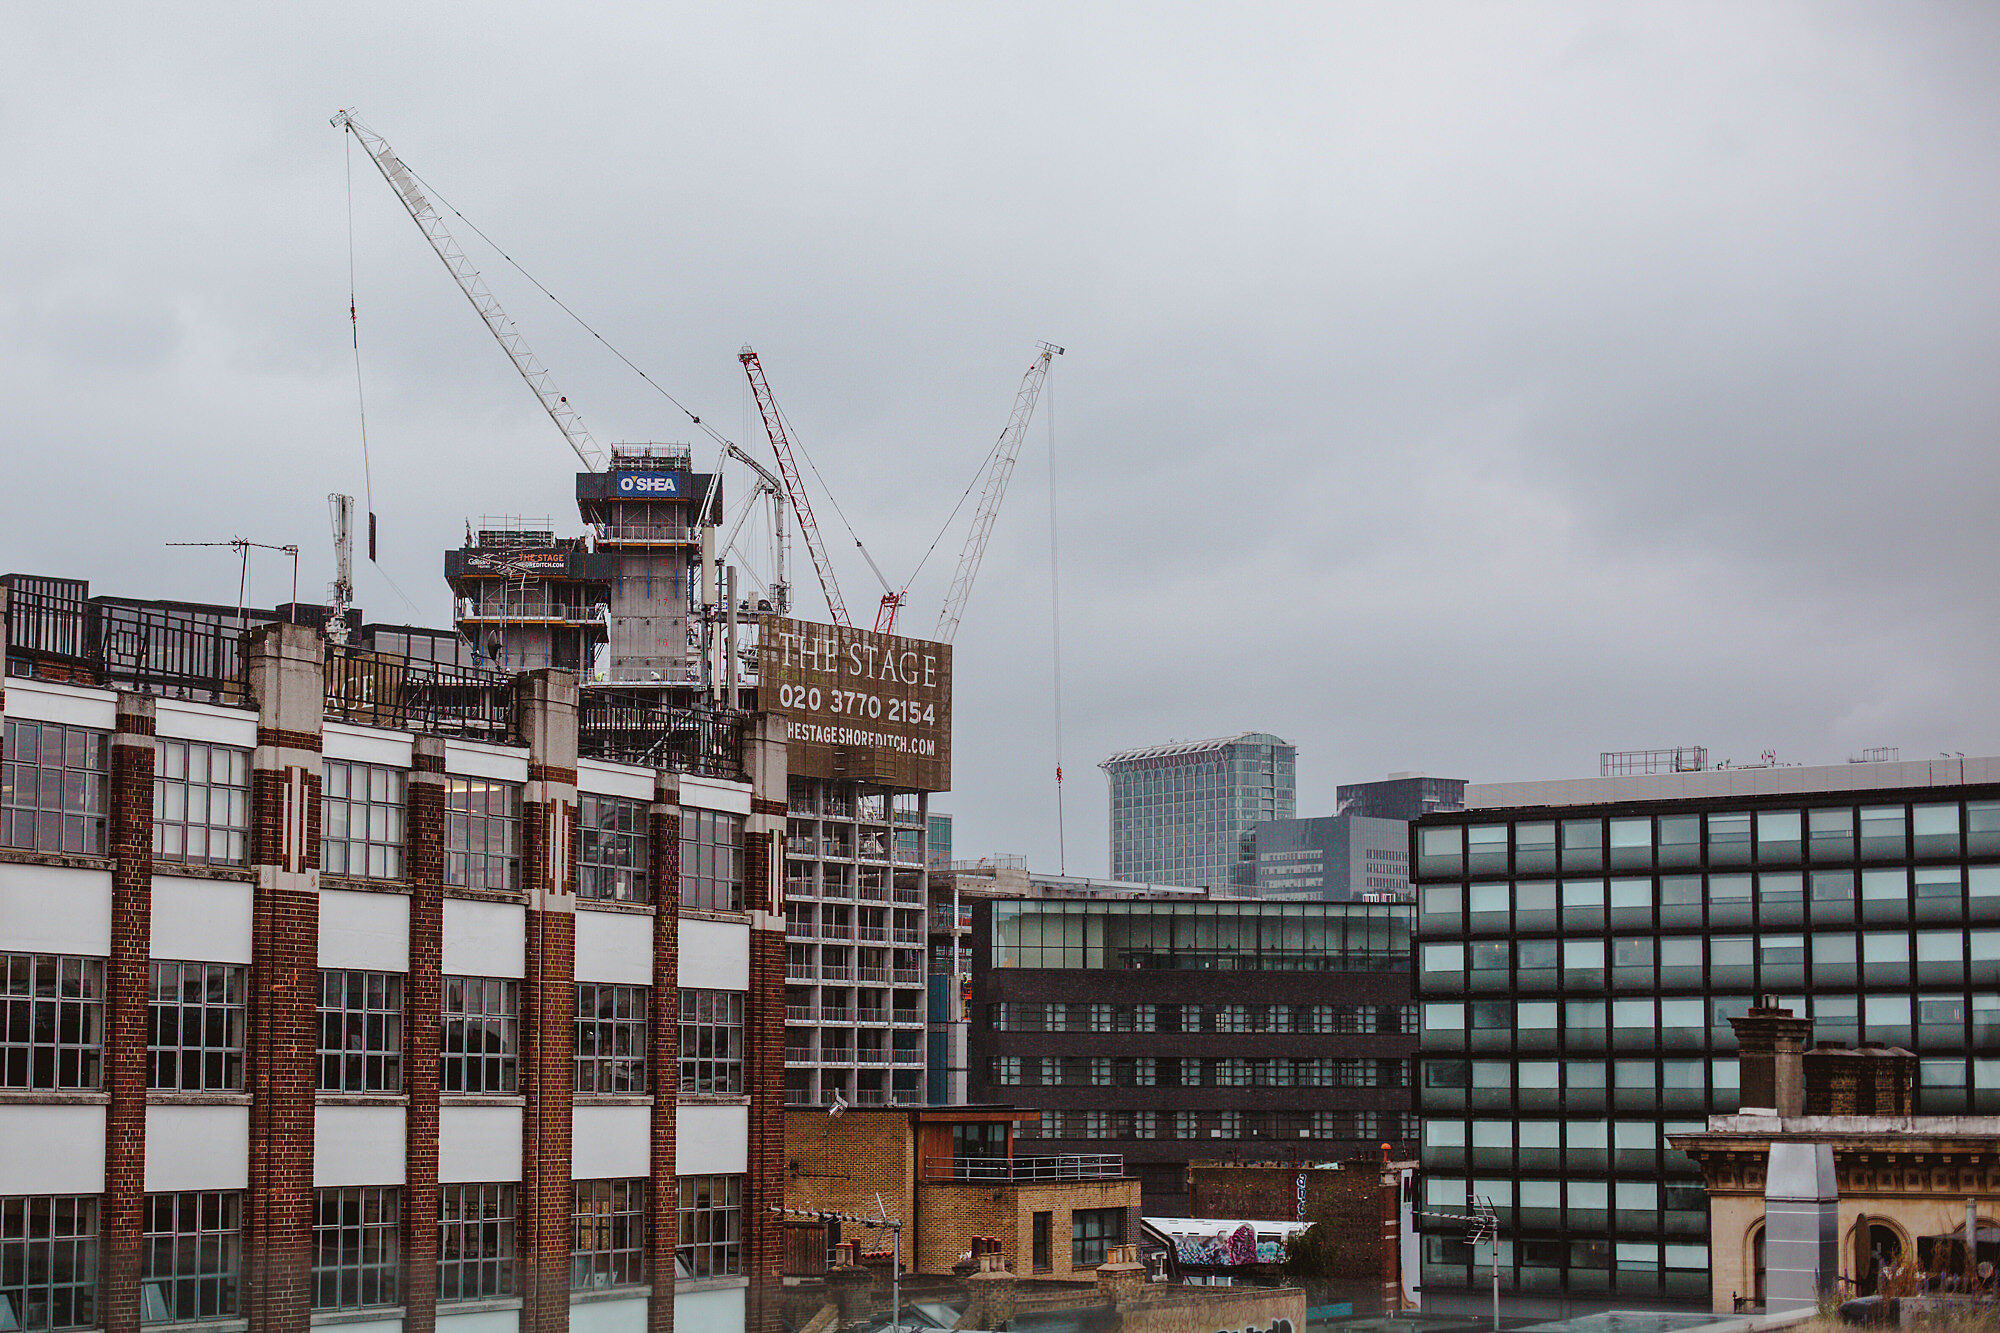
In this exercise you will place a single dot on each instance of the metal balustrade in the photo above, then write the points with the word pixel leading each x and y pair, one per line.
pixel 1011 1170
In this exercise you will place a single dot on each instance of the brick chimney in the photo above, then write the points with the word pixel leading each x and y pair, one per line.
pixel 1770 1046
pixel 1868 1080
pixel 1121 1275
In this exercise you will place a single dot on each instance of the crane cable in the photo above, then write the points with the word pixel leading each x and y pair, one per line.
pixel 1055 631
pixel 686 411
pixel 581 322
pixel 985 464
pixel 354 331
pixel 360 398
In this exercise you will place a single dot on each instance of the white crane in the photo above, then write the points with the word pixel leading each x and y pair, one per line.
pixel 768 484
pixel 340 596
pixel 1005 452
pixel 404 183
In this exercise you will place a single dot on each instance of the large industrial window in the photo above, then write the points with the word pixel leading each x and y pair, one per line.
pixel 195 1028
pixel 475 1241
pixel 52 1036
pixel 1091 1232
pixel 482 834
pixel 355 1233
pixel 361 820
pixel 48 1262
pixel 611 849
pixel 607 1233
pixel 193 1260
pixel 610 1037
pixel 201 803
pixel 711 1226
pixel 53 782
pixel 360 1031
pixel 711 860
pixel 712 1041
pixel 481 1034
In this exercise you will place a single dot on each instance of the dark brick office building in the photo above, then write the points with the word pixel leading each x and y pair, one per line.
pixel 1179 1033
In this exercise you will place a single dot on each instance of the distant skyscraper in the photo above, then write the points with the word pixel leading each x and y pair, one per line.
pixel 1334 857
pixel 1404 796
pixel 1185 813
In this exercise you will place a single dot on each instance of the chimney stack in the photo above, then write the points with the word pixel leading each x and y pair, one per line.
pixel 1770 1045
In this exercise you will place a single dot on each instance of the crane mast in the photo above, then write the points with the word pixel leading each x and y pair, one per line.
pixel 781 589
pixel 774 426
pixel 1005 452
pixel 340 596
pixel 467 277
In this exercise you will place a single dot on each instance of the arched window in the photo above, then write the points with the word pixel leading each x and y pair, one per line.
pixel 1878 1247
pixel 1757 1265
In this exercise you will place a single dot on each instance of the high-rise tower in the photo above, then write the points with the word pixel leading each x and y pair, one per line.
pixel 1185 813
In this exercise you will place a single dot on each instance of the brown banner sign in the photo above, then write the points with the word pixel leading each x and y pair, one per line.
pixel 858 705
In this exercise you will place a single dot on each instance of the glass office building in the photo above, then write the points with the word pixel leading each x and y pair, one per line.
pixel 1196 1032
pixel 1186 813
pixel 1581 947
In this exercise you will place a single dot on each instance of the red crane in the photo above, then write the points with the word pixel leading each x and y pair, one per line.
pixel 774 426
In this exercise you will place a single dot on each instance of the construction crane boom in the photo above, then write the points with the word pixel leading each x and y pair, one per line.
pixel 781 589
pixel 774 426
pixel 1005 452
pixel 404 183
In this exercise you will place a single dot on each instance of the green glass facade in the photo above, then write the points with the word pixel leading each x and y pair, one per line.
pixel 1577 967
pixel 1185 814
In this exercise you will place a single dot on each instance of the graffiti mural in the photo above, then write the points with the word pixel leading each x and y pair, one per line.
pixel 1229 1247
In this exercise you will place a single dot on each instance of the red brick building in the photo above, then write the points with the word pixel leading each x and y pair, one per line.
pixel 341 987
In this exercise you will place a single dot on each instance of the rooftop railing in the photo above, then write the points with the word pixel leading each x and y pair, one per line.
pixel 1011 1170
pixel 635 730
pixel 150 649
pixel 376 689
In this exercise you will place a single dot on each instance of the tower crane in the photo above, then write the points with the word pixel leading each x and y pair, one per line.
pixel 781 590
pixel 1005 452
pixel 404 183
pixel 774 426
pixel 340 595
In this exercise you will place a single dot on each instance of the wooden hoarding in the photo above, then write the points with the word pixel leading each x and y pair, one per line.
pixel 859 706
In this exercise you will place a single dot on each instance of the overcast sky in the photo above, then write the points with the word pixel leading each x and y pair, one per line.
pixel 1460 388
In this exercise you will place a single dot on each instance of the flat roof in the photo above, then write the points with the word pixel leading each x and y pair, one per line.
pixel 1723 783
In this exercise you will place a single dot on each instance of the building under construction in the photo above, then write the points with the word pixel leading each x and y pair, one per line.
pixel 613 607
pixel 642 607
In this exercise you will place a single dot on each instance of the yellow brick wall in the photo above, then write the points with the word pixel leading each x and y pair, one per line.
pixel 952 1212
pixel 1734 1217
pixel 1217 1308
pixel 840 1163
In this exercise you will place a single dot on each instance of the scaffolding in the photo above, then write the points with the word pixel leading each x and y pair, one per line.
pixel 1628 763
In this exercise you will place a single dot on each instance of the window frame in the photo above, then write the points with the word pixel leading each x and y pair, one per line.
pixel 601 1055
pixel 31 1242
pixel 490 1009
pixel 484 868
pixel 175 785
pixel 211 1249
pixel 388 813
pixel 218 1057
pixel 80 1012
pixel 613 864
pixel 381 1051
pixel 708 1239
pixel 357 1246
pixel 711 860
pixel 1092 1232
pixel 712 1041
pixel 607 1233
pixel 488 1260
pixel 74 805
